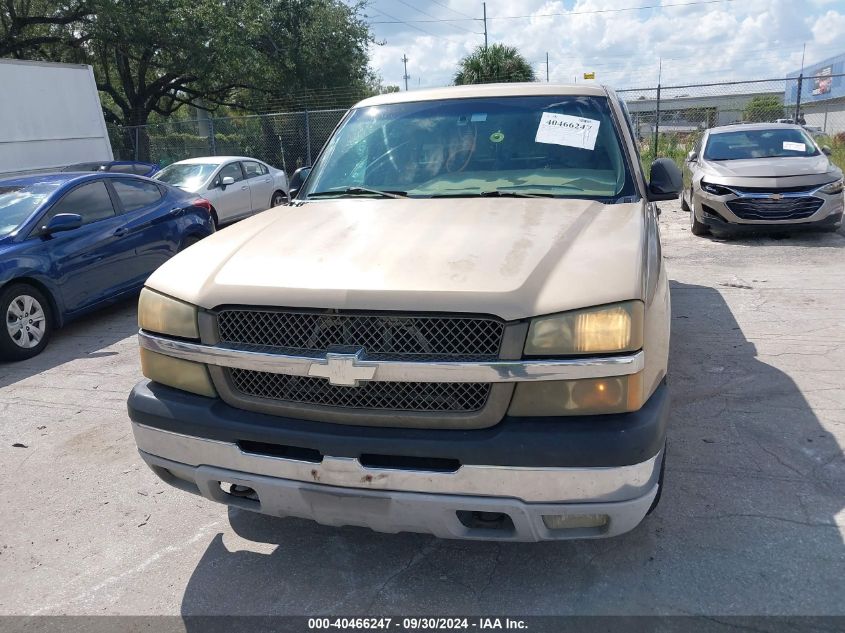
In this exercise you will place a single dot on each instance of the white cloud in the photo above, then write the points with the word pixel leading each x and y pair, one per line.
pixel 732 40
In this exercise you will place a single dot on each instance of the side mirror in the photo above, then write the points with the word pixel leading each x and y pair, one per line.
pixel 62 222
pixel 692 156
pixel 826 150
pixel 666 181
pixel 226 181
pixel 297 180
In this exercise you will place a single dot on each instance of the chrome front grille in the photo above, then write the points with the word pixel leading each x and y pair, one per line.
pixel 394 396
pixel 765 208
pixel 382 336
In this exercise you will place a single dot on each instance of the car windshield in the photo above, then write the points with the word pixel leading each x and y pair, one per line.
pixel 564 146
pixel 17 204
pixel 188 176
pixel 772 143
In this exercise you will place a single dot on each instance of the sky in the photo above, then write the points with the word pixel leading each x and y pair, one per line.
pixel 711 41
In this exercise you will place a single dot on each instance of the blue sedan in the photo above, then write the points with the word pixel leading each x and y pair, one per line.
pixel 73 242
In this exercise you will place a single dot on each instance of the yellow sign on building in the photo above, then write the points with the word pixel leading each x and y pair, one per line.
pixel 590 75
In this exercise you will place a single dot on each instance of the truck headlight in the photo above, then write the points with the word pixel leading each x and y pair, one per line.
pixel 601 330
pixel 588 396
pixel 832 188
pixel 164 315
pixel 177 373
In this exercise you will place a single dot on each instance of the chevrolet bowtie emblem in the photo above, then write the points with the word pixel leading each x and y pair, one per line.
pixel 776 196
pixel 343 370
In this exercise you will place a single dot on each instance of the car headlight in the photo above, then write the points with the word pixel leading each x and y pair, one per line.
pixel 716 190
pixel 164 315
pixel 832 188
pixel 588 396
pixel 600 330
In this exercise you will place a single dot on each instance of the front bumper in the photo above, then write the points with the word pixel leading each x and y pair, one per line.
pixel 715 212
pixel 522 468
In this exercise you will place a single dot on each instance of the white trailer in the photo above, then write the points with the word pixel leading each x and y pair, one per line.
pixel 50 117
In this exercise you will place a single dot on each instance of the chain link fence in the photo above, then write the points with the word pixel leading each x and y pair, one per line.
pixel 667 120
pixel 285 140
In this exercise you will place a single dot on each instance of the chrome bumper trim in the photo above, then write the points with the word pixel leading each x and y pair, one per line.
pixel 531 485
pixel 399 371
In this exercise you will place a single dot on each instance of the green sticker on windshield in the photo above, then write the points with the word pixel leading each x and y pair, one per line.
pixel 497 137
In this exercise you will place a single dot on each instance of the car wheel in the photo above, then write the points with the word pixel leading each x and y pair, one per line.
pixel 27 322
pixel 696 227
pixel 684 205
pixel 279 198
pixel 190 241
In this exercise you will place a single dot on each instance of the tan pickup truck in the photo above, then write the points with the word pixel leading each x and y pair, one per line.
pixel 460 326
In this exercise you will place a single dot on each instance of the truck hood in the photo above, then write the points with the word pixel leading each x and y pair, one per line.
pixel 510 257
pixel 770 167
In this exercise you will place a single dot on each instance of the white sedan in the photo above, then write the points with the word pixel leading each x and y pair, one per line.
pixel 236 186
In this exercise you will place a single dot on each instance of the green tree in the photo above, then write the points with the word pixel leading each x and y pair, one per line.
pixel 763 108
pixel 153 57
pixel 310 52
pixel 39 29
pixel 493 63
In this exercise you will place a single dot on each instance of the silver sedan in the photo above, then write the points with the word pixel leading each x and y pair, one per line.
pixel 236 186
pixel 762 175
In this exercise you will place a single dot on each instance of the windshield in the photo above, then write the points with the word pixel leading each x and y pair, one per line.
pixel 541 145
pixel 17 204
pixel 186 176
pixel 774 143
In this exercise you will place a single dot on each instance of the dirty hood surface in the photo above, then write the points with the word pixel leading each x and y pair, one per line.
pixel 511 257
pixel 771 167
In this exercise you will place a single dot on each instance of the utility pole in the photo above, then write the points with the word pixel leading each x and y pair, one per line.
pixel 405 76
pixel 800 87
pixel 484 8
pixel 547 67
pixel 657 109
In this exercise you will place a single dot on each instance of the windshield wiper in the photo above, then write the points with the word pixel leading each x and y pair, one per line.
pixel 358 191
pixel 505 193
pixel 496 193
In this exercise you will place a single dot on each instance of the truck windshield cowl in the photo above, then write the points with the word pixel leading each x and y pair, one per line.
pixel 548 146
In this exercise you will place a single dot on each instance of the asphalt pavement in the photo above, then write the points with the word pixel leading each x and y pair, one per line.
pixel 751 521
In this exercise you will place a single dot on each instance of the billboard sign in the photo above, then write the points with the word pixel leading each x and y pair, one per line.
pixel 823 81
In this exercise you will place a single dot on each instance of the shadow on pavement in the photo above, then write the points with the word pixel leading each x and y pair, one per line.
pixel 745 526
pixel 812 239
pixel 84 338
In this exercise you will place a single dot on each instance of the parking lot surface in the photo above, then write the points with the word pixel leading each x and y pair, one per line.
pixel 751 520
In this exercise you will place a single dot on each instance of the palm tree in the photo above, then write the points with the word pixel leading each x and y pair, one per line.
pixel 493 63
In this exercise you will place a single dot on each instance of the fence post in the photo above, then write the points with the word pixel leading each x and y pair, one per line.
pixel 137 148
pixel 656 122
pixel 798 98
pixel 213 139
pixel 307 138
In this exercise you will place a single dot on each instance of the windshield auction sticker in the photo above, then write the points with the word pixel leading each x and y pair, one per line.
pixel 564 129
pixel 794 147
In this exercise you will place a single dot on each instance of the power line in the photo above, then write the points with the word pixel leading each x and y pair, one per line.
pixel 562 14
pixel 440 4
pixel 408 23
pixel 457 26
